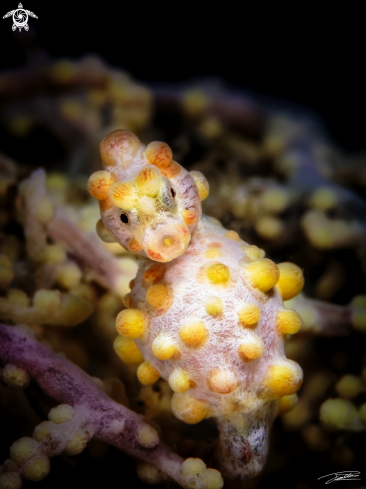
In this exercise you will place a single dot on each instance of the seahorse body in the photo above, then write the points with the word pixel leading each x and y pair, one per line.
pixel 212 322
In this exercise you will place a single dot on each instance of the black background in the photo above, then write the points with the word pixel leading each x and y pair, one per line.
pixel 298 54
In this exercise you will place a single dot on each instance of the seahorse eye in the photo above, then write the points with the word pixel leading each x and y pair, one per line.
pixel 173 192
pixel 124 218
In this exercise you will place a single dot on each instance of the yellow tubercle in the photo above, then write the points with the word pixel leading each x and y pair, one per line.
pixel 212 253
pixel 99 184
pixel 127 350
pixel 131 323
pixel 202 184
pixel 149 181
pixel 189 409
pixel 252 251
pixel 287 403
pixel 263 273
pixel 189 217
pixel 194 335
pixel 249 314
pixel 164 347
pixel 281 380
pixel 154 273
pixel 251 348
pixel 222 381
pixel 103 233
pixel 179 380
pixel 123 195
pixel 214 306
pixel 288 322
pixel 127 300
pixel 159 296
pixel 159 154
pixel 232 235
pixel 291 280
pixel 147 373
pixel 218 273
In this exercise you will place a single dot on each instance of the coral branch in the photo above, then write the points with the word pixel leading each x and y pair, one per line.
pixel 66 383
pixel 325 319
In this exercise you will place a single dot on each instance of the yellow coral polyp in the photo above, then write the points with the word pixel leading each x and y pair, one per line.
pixel 47 300
pixel 37 468
pixel 263 273
pixel 10 480
pixel 213 479
pixel 202 184
pixel 15 376
pixel 214 306
pixel 149 181
pixel 147 373
pixel 281 380
pixel 269 227
pixel 194 335
pixel 291 280
pixel 349 386
pixel 99 184
pixel 288 322
pixel 131 323
pixel 251 348
pixel 218 273
pixel 123 195
pixel 192 466
pixel 164 347
pixel 18 298
pixel 179 380
pixel 222 381
pixel 76 443
pixel 338 413
pixel 61 413
pixel 23 449
pixel 249 314
pixel 147 436
pixel 189 409
pixel 127 350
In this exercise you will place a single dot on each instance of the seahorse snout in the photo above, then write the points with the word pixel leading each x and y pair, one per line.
pixel 167 241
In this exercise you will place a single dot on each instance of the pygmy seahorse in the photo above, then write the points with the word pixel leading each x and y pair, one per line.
pixel 207 314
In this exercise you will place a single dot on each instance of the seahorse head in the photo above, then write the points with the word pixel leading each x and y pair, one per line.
pixel 148 202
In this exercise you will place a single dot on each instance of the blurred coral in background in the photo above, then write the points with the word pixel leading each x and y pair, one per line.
pixel 276 180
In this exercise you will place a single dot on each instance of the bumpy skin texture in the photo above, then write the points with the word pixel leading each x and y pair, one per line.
pixel 148 203
pixel 212 322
